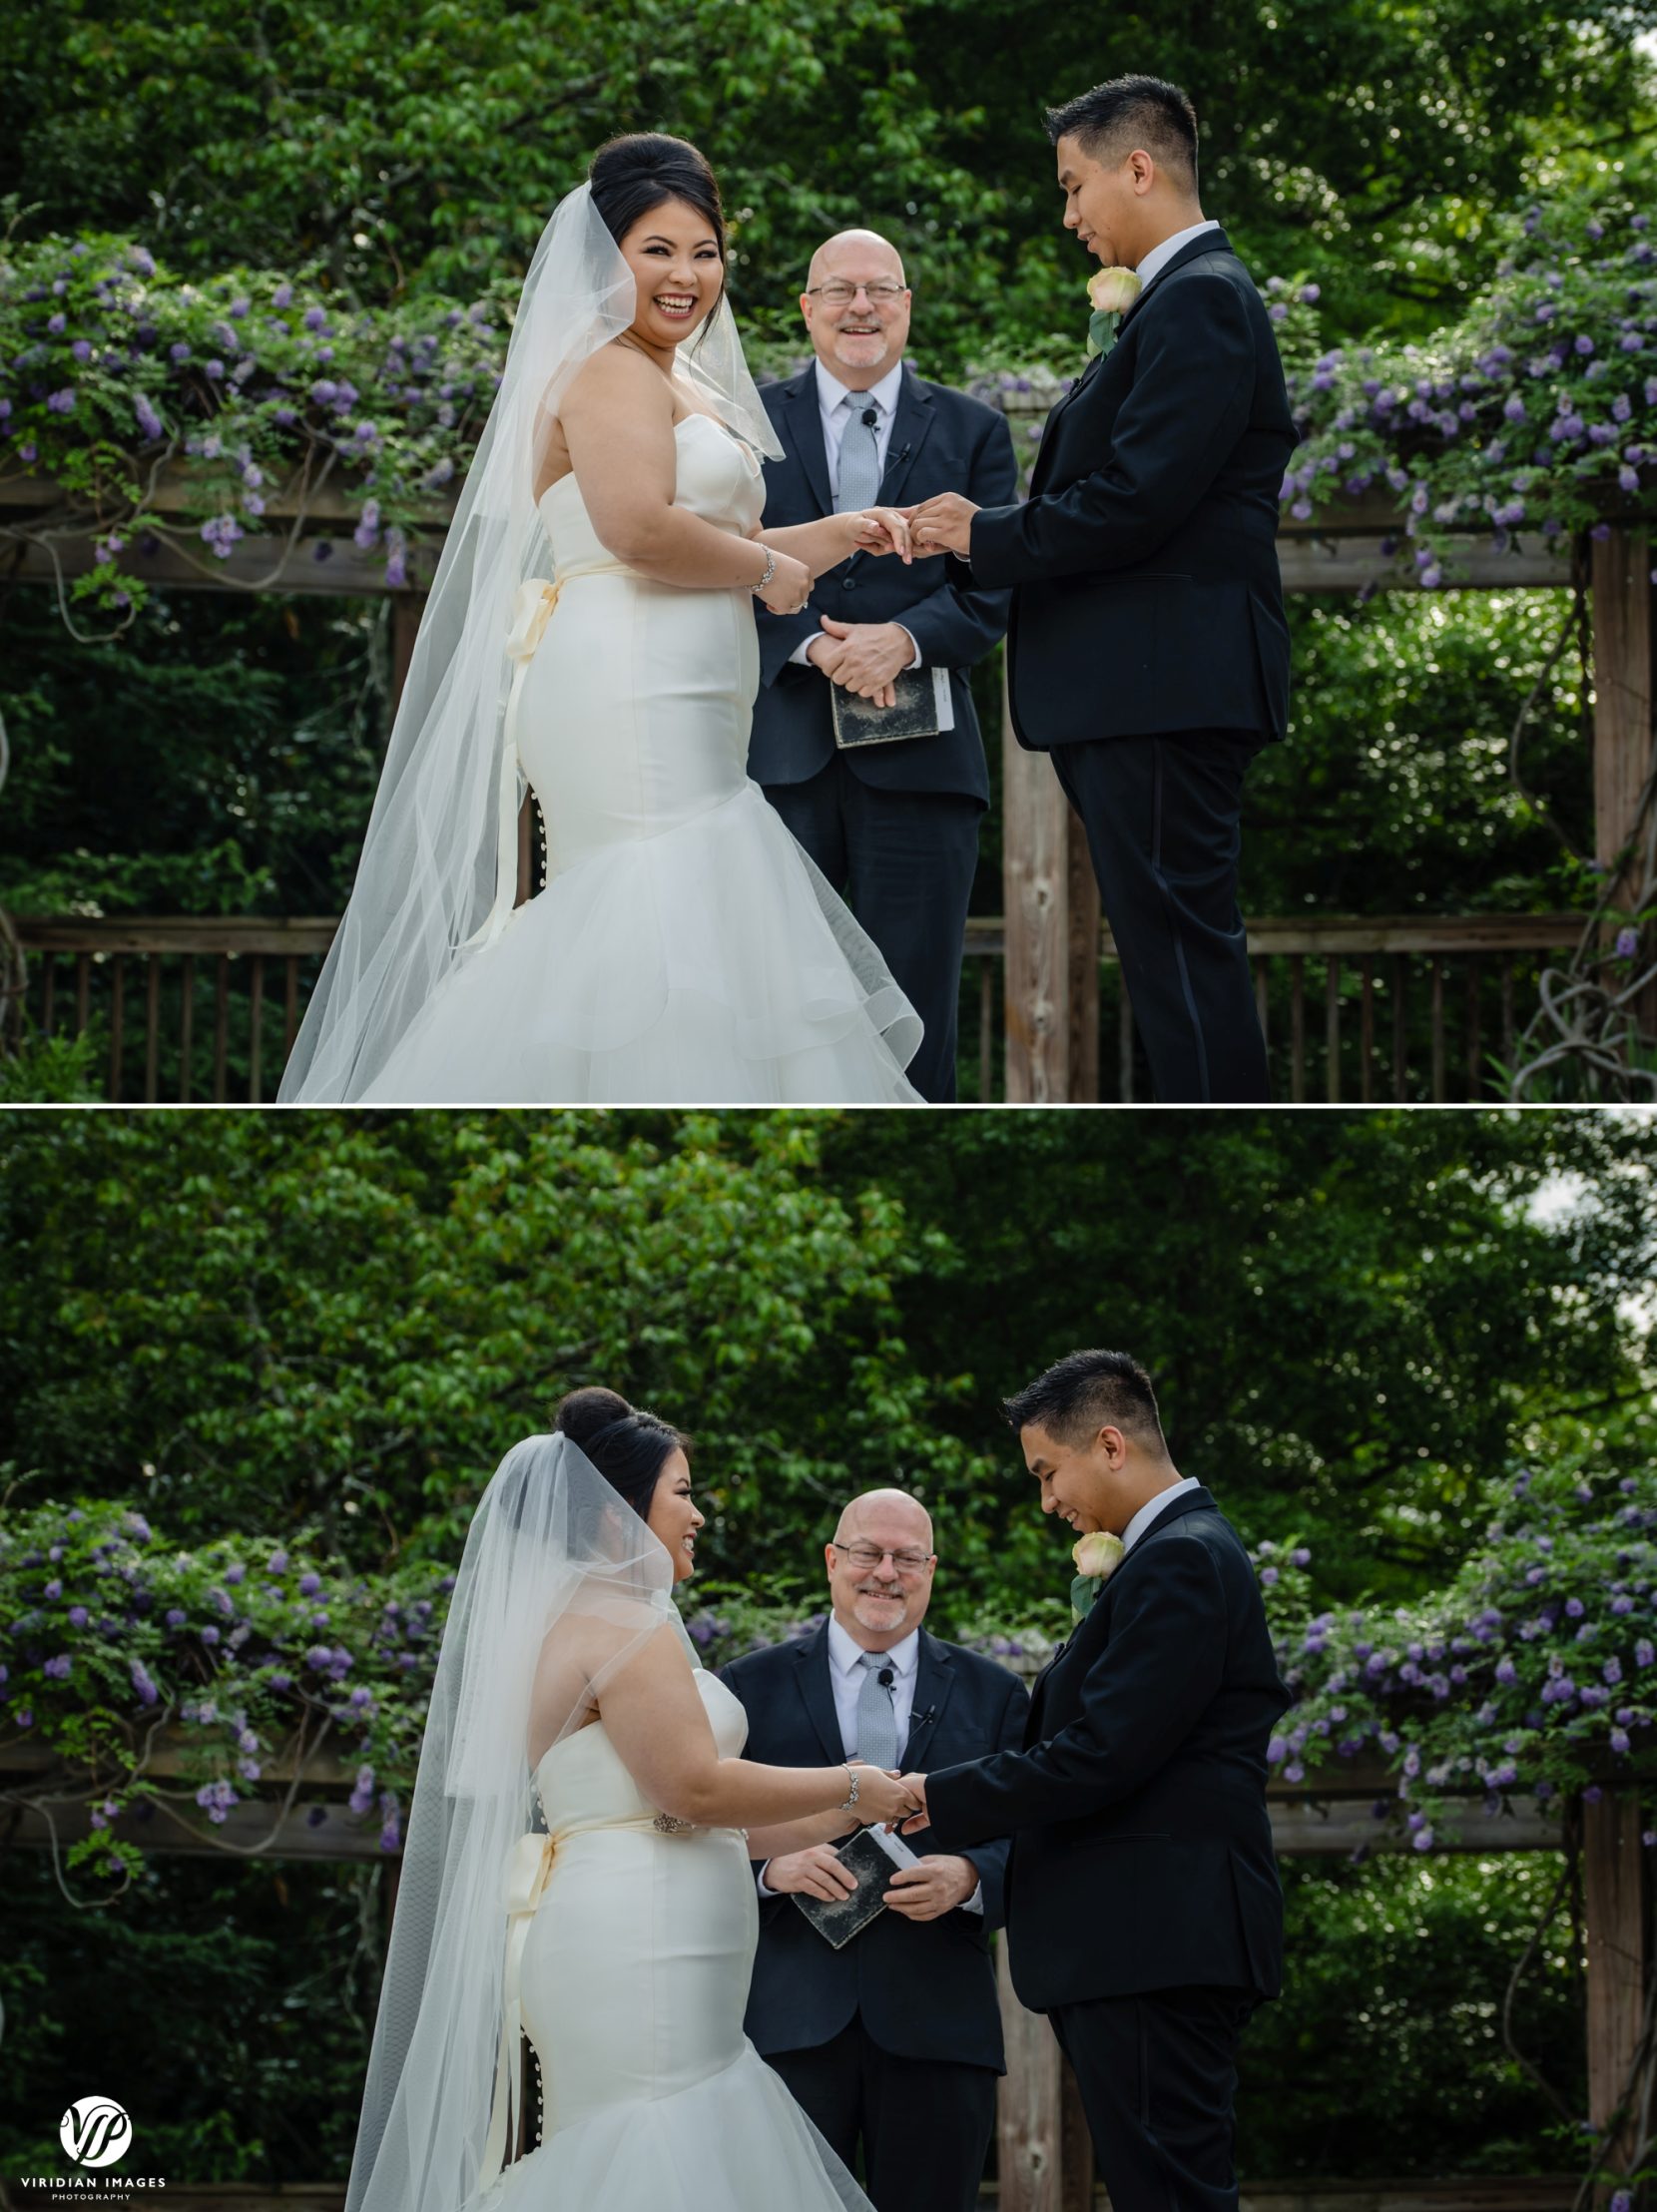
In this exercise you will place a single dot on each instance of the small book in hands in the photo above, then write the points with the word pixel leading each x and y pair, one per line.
pixel 861 721
pixel 838 1924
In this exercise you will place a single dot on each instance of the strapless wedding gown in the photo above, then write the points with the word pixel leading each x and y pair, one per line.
pixel 683 950
pixel 628 1956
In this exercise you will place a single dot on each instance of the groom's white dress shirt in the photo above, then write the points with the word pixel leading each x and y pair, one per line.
pixel 1157 259
pixel 1154 1508
pixel 847 1673
pixel 837 406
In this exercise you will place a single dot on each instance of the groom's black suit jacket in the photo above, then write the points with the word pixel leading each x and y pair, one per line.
pixel 941 440
pixel 924 1988
pixel 1142 1851
pixel 1147 595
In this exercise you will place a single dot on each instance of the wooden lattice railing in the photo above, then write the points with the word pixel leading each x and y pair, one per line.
pixel 1406 1007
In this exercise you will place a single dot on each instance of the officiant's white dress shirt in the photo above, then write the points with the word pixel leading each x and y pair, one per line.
pixel 1154 1508
pixel 1157 259
pixel 847 1676
pixel 832 396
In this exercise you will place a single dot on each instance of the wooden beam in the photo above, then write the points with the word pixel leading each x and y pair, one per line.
pixel 185 483
pixel 253 1828
pixel 1051 902
pixel 1320 936
pixel 1300 1831
pixel 297 934
pixel 1349 564
pixel 1613 1903
pixel 314 566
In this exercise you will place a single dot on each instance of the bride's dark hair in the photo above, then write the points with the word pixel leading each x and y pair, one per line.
pixel 628 1447
pixel 641 170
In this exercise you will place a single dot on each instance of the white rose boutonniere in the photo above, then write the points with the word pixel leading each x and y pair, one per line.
pixel 1097 1558
pixel 1112 292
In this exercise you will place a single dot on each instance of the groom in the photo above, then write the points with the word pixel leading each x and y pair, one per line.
pixel 1143 1909
pixel 1149 651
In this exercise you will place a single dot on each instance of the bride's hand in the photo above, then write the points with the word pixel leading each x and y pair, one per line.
pixel 882 1797
pixel 790 585
pixel 881 530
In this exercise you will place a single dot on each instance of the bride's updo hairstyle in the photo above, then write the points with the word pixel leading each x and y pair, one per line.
pixel 628 1447
pixel 632 175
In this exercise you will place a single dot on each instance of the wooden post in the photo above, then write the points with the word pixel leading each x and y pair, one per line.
pixel 1075 2145
pixel 1028 2118
pixel 1051 902
pixel 406 609
pixel 1613 1902
pixel 1625 687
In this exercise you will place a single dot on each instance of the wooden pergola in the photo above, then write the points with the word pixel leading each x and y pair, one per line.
pixel 1049 941
pixel 1044 2157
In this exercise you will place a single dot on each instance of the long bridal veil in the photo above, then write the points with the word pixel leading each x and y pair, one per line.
pixel 551 1539
pixel 440 855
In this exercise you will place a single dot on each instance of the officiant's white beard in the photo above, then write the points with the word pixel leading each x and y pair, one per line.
pixel 863 351
pixel 882 1614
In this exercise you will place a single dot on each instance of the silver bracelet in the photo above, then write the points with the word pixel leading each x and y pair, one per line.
pixel 851 1801
pixel 769 571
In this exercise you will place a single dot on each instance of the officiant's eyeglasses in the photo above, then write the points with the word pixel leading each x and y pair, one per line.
pixel 870 1556
pixel 838 293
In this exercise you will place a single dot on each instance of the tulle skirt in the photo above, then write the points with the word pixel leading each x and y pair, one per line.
pixel 709 963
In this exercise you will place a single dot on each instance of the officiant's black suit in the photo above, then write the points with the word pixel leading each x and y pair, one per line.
pixel 893 827
pixel 897 2036
pixel 1144 1911
pixel 1148 650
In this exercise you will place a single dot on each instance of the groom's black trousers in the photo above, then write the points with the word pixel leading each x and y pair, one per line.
pixel 924 2123
pixel 1157 2077
pixel 1163 816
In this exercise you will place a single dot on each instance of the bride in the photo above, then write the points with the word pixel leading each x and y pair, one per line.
pixel 590 630
pixel 615 1933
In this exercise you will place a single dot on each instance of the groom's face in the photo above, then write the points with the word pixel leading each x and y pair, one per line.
pixel 1086 1483
pixel 1104 204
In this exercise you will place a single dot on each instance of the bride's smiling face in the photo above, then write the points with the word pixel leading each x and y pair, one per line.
pixel 673 1518
pixel 678 269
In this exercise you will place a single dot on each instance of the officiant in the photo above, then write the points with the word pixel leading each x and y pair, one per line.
pixel 892 2042
pixel 893 821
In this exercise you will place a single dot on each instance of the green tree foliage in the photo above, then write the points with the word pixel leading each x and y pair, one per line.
pixel 1365 142
pixel 1352 1319
pixel 338 1323
pixel 219 759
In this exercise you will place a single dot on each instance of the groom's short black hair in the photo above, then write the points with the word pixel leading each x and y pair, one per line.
pixel 1111 119
pixel 1084 1391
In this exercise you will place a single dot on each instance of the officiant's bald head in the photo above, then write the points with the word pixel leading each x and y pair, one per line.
pixel 859 335
pixel 881 1567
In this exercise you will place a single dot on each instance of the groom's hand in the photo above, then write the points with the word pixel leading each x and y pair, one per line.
pixel 915 1784
pixel 930 1888
pixel 942 524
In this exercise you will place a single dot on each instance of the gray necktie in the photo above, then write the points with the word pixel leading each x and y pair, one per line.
pixel 877 1720
pixel 860 481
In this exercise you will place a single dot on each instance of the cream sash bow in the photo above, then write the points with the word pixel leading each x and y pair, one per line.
pixel 532 607
pixel 528 1866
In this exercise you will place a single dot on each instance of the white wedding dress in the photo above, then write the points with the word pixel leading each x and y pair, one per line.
pixel 683 950
pixel 628 1963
